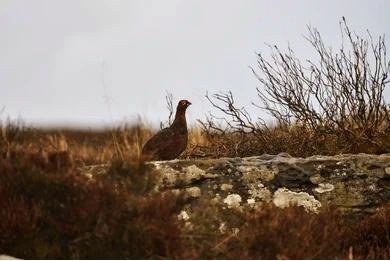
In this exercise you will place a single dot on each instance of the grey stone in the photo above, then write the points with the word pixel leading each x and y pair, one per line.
pixel 354 183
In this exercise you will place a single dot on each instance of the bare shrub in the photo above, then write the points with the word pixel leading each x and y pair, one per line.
pixel 343 92
pixel 170 108
pixel 340 98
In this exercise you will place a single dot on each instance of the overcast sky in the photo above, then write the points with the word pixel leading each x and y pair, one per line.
pixel 96 62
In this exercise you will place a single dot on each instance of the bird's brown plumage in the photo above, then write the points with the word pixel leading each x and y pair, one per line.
pixel 170 142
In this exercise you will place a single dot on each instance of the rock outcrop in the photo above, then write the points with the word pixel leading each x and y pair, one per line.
pixel 354 183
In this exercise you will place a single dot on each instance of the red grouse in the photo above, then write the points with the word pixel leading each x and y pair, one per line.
pixel 170 142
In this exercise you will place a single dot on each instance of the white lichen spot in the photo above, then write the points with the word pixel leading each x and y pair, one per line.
pixel 284 198
pixel 194 192
pixel 176 192
pixel 232 200
pixel 88 175
pixel 259 192
pixel 235 230
pixel 216 199
pixel 372 187
pixel 245 169
pixel 222 228
pixel 252 173
pixel 324 187
pixel 194 171
pixel 226 187
pixel 251 201
pixel 188 225
pixel 183 216
pixel 186 175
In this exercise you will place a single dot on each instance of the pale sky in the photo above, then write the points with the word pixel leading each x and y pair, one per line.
pixel 56 54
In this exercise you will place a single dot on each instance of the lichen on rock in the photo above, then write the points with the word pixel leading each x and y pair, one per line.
pixel 354 183
pixel 324 187
pixel 284 198
pixel 233 201
pixel 180 176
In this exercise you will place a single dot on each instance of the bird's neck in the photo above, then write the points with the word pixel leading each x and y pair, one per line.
pixel 180 119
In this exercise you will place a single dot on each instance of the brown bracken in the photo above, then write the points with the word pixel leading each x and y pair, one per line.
pixel 170 142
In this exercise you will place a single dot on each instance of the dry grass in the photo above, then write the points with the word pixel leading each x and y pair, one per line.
pixel 63 214
pixel 295 140
pixel 270 233
pixel 49 210
pixel 370 239
pixel 87 147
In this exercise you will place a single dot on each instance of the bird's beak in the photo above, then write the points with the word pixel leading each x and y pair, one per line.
pixel 189 103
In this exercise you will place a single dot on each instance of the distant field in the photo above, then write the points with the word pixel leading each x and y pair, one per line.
pixel 94 146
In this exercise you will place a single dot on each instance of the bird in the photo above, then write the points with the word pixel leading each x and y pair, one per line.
pixel 169 143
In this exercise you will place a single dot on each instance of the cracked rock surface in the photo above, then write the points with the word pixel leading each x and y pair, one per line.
pixel 354 183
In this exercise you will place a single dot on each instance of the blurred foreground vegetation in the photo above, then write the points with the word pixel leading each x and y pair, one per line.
pixel 49 210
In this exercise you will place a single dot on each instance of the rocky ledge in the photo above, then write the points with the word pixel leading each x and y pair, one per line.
pixel 354 183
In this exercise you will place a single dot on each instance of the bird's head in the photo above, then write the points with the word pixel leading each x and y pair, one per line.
pixel 183 105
